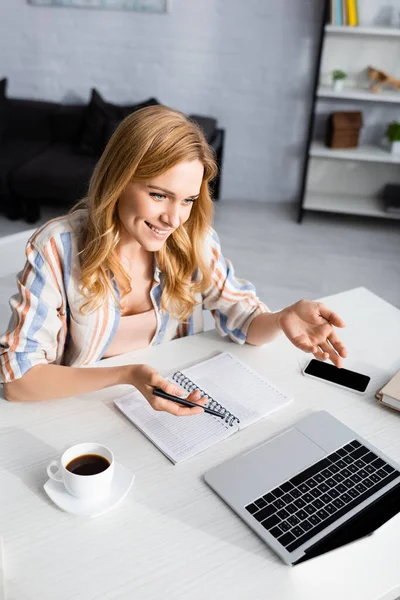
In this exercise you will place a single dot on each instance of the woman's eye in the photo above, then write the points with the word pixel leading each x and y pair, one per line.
pixel 188 201
pixel 157 196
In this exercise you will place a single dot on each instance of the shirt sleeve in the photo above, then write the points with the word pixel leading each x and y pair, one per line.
pixel 32 335
pixel 233 302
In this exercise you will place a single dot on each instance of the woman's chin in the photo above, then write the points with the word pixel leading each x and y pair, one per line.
pixel 152 245
pixel 146 240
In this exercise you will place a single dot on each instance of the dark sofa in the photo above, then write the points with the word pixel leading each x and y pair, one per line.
pixel 48 150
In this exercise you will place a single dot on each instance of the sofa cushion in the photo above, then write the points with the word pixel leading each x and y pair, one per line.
pixel 15 153
pixel 59 174
pixel 101 119
pixel 207 124
pixel 3 87
pixel 125 111
pixel 29 119
pixel 98 115
pixel 67 123
pixel 129 109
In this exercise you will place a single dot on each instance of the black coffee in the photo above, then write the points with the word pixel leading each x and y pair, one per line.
pixel 88 464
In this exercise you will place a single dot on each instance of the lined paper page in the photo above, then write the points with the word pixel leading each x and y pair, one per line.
pixel 237 387
pixel 231 383
pixel 177 437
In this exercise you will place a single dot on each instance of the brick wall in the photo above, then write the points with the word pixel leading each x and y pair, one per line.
pixel 246 62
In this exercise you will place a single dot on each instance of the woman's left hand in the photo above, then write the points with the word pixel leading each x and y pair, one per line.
pixel 310 327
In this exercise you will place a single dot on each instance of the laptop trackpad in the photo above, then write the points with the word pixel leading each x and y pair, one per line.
pixel 265 467
pixel 285 456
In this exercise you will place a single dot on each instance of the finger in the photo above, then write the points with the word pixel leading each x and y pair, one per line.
pixel 190 412
pixel 186 411
pixel 330 316
pixel 331 353
pixel 167 386
pixel 335 320
pixel 160 404
pixel 337 361
pixel 306 345
pixel 337 344
pixel 320 355
pixel 197 397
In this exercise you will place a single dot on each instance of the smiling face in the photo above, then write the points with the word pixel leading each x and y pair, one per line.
pixel 149 212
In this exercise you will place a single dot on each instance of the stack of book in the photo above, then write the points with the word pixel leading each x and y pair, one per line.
pixel 344 12
pixel 390 393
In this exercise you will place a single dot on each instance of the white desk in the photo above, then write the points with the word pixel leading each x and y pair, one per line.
pixel 172 537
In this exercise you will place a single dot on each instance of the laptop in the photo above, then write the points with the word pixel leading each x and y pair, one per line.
pixel 314 487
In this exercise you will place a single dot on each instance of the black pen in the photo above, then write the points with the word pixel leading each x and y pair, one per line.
pixel 161 394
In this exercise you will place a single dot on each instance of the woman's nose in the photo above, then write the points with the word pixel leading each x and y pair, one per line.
pixel 171 216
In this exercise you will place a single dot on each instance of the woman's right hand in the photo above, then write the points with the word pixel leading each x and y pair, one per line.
pixel 145 379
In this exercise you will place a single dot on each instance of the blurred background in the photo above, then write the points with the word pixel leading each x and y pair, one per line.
pixel 308 199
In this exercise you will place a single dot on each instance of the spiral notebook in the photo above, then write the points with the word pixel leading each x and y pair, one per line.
pixel 233 388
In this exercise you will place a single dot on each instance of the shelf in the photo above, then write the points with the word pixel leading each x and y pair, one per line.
pixel 361 153
pixel 351 205
pixel 325 91
pixel 352 185
pixel 373 31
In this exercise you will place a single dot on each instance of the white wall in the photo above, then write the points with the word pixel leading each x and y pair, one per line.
pixel 246 62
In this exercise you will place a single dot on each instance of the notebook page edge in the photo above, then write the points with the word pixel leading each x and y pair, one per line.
pixel 2 569
pixel 141 429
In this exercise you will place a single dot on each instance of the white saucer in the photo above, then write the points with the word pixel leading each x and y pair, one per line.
pixel 120 486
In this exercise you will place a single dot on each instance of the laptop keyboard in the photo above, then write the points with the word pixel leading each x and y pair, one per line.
pixel 307 503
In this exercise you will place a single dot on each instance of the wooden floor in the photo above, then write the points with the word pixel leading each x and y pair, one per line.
pixel 287 261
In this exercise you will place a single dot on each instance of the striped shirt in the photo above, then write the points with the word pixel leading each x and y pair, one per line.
pixel 46 325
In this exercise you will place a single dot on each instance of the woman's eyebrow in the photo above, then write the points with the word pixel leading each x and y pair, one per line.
pixel 156 187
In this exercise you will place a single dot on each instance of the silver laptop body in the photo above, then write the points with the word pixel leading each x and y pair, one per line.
pixel 311 488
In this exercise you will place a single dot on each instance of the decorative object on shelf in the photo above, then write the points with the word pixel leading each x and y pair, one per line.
pixel 338 78
pixel 343 129
pixel 150 6
pixel 379 78
pixel 393 135
pixel 391 198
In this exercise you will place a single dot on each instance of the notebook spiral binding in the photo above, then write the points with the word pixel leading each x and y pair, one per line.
pixel 188 385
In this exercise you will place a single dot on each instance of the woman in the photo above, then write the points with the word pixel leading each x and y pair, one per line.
pixel 133 265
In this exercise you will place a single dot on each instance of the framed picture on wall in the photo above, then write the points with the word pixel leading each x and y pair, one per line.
pixel 149 6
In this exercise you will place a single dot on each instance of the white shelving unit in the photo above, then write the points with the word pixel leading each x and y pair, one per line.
pixel 352 205
pixel 353 93
pixel 374 31
pixel 350 181
pixel 367 153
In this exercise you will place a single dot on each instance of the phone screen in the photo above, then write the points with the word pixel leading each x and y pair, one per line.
pixel 349 379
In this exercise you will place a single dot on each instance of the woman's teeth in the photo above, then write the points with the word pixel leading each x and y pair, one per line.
pixel 159 231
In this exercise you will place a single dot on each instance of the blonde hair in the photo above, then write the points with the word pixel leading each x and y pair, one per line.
pixel 146 144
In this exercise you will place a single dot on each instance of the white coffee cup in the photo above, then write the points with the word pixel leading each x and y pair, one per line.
pixel 83 486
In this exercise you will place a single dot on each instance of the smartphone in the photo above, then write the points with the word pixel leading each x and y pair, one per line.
pixel 349 380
